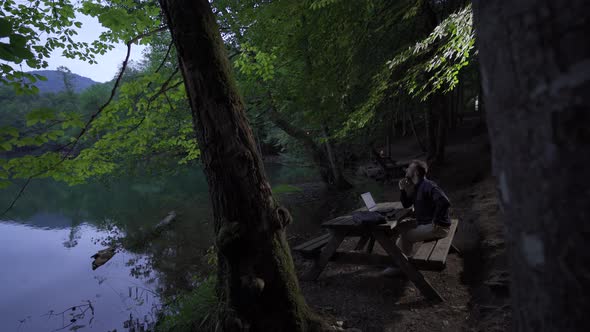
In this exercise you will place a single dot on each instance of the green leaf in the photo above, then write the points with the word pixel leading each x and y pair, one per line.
pixel 5 27
pixel 6 53
pixel 12 131
pixel 6 146
pixel 18 41
pixel 53 135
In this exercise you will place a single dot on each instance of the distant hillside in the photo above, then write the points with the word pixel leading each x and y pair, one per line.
pixel 55 81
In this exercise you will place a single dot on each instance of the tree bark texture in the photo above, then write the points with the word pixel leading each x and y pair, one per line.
pixel 257 284
pixel 535 73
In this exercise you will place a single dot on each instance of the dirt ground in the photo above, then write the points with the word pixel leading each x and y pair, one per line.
pixel 474 283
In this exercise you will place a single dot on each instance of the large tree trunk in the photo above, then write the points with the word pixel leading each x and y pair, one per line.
pixel 257 284
pixel 535 66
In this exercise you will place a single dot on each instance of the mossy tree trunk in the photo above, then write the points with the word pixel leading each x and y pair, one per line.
pixel 257 283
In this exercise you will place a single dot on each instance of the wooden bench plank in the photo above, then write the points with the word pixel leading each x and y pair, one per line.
pixel 420 258
pixel 313 246
pixel 312 241
pixel 432 255
pixel 438 258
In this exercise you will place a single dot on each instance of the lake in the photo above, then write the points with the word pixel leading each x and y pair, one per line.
pixel 46 240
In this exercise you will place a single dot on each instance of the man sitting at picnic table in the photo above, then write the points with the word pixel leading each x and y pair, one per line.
pixel 431 209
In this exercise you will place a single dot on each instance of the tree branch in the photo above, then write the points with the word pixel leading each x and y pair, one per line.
pixel 164 86
pixel 145 34
pixel 165 56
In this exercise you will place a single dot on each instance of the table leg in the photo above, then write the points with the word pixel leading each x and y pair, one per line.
pixel 362 242
pixel 371 245
pixel 320 263
pixel 402 262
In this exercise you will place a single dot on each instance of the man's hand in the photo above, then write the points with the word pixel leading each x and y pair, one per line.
pixel 405 184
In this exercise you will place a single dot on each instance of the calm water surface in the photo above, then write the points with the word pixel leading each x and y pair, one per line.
pixel 46 278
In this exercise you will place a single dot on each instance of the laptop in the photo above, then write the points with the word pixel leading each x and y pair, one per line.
pixel 369 201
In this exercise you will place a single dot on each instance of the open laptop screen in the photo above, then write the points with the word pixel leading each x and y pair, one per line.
pixel 369 201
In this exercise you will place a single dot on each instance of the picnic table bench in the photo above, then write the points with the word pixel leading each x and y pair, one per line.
pixel 430 255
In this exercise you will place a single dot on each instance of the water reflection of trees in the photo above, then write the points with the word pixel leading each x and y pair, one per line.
pixel 174 257
pixel 122 200
pixel 73 236
pixel 130 207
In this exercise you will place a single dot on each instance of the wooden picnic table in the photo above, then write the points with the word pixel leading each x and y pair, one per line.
pixel 342 227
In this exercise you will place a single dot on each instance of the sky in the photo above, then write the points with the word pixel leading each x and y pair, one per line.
pixel 106 68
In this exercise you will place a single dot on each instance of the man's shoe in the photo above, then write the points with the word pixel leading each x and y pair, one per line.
pixel 391 272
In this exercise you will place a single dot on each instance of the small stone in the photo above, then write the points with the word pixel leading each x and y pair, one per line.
pixel 445 322
pixel 339 323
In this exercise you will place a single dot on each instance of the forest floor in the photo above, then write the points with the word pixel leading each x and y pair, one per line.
pixel 474 284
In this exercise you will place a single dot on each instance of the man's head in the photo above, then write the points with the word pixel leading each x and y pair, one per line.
pixel 416 171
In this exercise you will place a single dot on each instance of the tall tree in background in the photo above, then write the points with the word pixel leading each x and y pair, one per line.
pixel 67 78
pixel 535 65
pixel 256 278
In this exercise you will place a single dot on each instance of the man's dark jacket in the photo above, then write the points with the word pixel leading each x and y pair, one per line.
pixel 431 204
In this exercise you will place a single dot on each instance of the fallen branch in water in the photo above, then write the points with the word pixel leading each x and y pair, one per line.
pixel 103 256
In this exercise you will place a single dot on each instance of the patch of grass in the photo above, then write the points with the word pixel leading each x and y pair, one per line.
pixel 192 311
pixel 285 188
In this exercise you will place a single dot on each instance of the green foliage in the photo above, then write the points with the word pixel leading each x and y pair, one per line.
pixel 311 63
pixel 255 64
pixel 429 66
pixel 192 311
pixel 195 310
pixel 148 125
pixel 309 66
pixel 124 19
pixel 450 47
